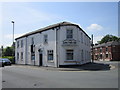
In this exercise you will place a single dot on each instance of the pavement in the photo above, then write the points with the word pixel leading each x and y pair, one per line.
pixel 95 66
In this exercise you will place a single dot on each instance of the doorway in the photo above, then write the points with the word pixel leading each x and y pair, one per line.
pixel 40 59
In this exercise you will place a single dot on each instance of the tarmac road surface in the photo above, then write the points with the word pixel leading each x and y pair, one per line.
pixel 28 77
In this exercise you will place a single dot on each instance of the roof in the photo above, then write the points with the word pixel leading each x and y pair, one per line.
pixel 51 27
pixel 112 43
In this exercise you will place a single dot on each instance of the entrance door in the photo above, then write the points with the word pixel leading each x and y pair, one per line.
pixel 40 59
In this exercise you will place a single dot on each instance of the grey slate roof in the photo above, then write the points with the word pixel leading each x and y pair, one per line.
pixel 112 43
pixel 51 27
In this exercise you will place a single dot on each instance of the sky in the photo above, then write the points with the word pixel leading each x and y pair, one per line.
pixel 97 18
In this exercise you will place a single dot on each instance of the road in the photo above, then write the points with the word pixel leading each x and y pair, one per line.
pixel 28 77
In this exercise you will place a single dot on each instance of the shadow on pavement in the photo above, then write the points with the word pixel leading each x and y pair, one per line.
pixel 89 67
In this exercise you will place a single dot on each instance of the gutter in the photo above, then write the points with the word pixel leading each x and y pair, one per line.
pixel 57 28
pixel 26 52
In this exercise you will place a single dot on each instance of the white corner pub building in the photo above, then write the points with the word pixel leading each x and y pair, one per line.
pixel 60 44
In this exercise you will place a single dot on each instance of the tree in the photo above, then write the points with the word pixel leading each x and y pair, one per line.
pixel 8 51
pixel 108 38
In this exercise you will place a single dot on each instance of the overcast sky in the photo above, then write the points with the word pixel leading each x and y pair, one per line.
pixel 97 18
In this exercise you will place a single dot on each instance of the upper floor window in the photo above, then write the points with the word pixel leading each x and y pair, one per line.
pixel 85 39
pixel 100 49
pixel 17 44
pixel 45 38
pixel 32 40
pixel 69 33
pixel 106 49
pixel 81 37
pixel 21 43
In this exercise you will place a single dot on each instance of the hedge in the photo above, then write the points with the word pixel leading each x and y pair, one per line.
pixel 11 58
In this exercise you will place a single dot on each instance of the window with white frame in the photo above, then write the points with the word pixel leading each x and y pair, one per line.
pixel 69 55
pixel 85 39
pixel 106 49
pixel 82 55
pixel 32 41
pixel 17 56
pixel 81 37
pixel 21 43
pixel 17 44
pixel 69 33
pixel 21 55
pixel 32 56
pixel 50 54
pixel 45 38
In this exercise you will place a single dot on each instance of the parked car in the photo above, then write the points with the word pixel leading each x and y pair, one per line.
pixel 1 63
pixel 5 61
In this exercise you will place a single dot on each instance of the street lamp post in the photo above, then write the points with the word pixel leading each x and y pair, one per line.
pixel 13 30
pixel 13 38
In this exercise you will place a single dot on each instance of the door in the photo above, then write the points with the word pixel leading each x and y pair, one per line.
pixel 40 59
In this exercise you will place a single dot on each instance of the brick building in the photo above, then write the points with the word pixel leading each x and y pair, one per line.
pixel 107 51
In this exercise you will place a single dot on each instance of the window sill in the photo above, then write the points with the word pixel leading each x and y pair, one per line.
pixel 51 61
pixel 70 61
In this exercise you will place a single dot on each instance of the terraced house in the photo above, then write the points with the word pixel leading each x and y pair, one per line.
pixel 63 43
pixel 109 51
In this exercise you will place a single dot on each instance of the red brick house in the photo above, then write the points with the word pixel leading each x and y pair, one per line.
pixel 107 51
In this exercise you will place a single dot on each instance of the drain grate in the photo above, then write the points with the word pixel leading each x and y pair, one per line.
pixel 3 81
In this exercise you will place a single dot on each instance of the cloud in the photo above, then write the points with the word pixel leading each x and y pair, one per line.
pixel 94 27
pixel 7 39
pixel 10 36
pixel 26 15
pixel 97 38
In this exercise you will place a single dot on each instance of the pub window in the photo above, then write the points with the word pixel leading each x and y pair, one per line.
pixel 32 40
pixel 32 56
pixel 17 56
pixel 69 54
pixel 69 33
pixel 21 55
pixel 82 37
pixel 82 53
pixel 50 54
pixel 17 44
pixel 45 39
pixel 21 43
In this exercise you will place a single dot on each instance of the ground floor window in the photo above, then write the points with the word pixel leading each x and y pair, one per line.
pixel 32 56
pixel 50 54
pixel 21 55
pixel 96 57
pixel 17 56
pixel 106 55
pixel 69 54
pixel 100 56
pixel 82 57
